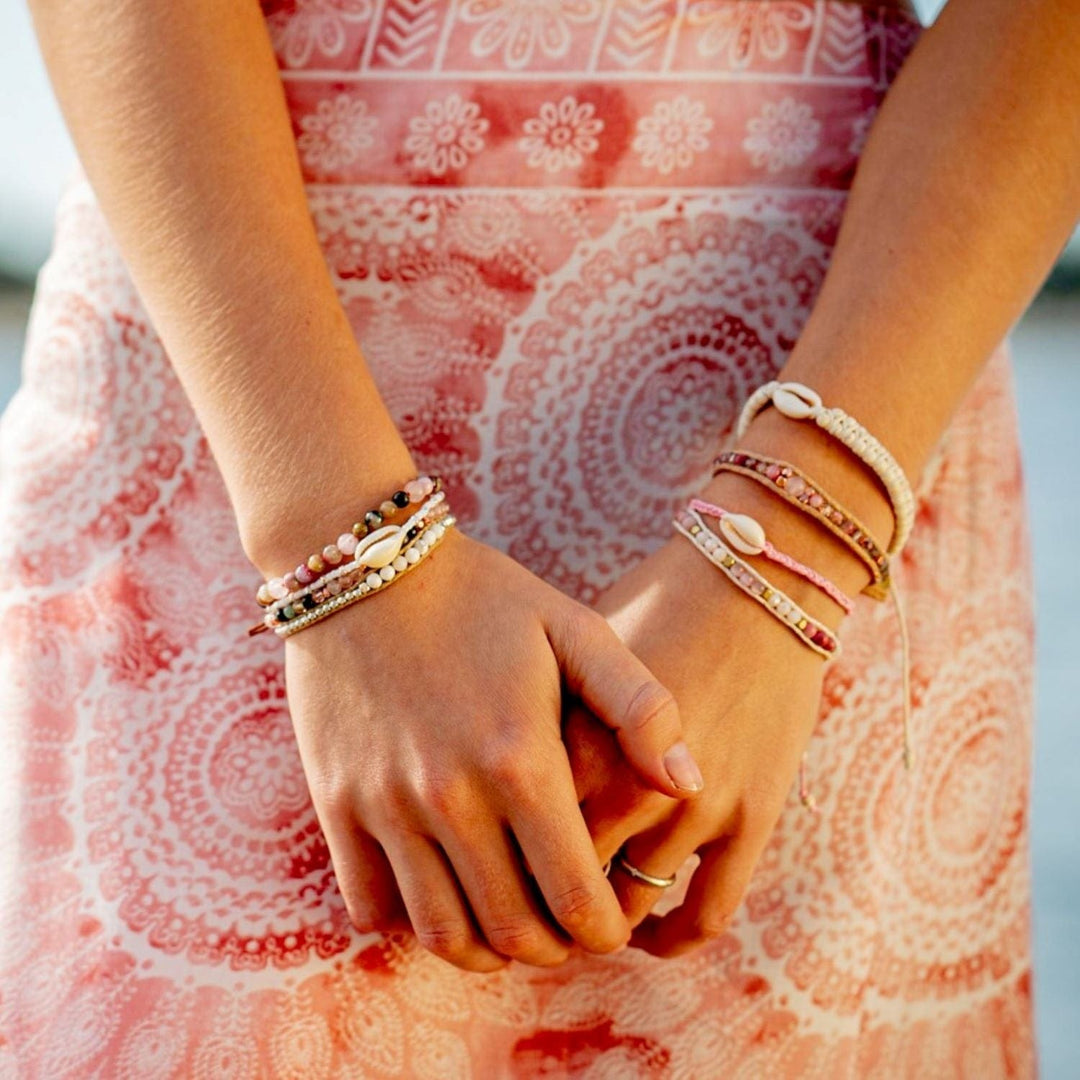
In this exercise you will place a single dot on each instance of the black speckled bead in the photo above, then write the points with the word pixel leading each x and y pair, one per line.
pixel 309 601
pixel 412 532
pixel 281 616
pixel 400 499
pixel 373 519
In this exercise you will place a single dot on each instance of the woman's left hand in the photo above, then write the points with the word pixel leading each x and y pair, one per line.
pixel 748 692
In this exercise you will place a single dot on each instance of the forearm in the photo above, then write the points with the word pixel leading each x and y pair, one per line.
pixel 180 123
pixel 966 191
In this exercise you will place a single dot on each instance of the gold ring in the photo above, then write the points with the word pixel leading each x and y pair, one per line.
pixel 633 871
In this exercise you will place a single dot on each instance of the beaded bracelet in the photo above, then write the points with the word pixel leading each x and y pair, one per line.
pixel 802 492
pixel 374 550
pixel 330 556
pixel 424 544
pixel 799 402
pixel 780 605
pixel 382 551
pixel 746 535
pixel 807 495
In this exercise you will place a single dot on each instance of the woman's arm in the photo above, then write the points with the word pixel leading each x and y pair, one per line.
pixel 180 122
pixel 427 718
pixel 967 189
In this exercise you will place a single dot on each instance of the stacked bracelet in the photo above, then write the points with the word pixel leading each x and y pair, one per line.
pixel 332 555
pixel 808 495
pixel 807 629
pixel 412 556
pixel 746 535
pixel 379 549
pixel 799 402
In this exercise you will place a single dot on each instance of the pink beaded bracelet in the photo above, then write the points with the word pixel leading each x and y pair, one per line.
pixel 316 564
pixel 746 535
pixel 807 629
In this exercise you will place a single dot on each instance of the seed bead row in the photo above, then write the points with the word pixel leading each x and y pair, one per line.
pixel 799 402
pixel 360 553
pixel 424 544
pixel 800 491
pixel 313 596
pixel 746 535
pixel 810 632
pixel 316 564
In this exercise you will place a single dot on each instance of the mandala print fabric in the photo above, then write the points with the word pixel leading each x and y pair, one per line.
pixel 571 236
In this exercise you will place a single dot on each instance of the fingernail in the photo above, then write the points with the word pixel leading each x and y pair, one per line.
pixel 682 768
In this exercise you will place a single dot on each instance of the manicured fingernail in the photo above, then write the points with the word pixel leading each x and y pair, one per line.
pixel 682 768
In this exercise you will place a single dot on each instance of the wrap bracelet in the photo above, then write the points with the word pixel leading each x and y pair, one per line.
pixel 798 489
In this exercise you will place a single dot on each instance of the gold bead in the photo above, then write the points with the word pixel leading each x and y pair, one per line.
pixel 315 564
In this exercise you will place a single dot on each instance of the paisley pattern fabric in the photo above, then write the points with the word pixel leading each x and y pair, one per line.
pixel 571 236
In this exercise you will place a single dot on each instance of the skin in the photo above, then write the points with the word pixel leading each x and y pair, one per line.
pixel 966 192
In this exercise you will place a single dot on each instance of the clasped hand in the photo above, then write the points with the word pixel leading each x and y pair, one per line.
pixel 456 805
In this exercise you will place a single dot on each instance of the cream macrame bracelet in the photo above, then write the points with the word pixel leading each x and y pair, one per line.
pixel 799 402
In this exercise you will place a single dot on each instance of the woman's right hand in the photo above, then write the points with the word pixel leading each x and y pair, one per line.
pixel 428 720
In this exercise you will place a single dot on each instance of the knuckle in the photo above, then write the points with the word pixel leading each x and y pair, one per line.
pixel 711 924
pixel 515 936
pixel 450 939
pixel 652 701
pixel 444 792
pixel 575 906
pixel 506 765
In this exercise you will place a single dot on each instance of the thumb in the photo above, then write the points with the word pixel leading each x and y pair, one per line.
pixel 623 694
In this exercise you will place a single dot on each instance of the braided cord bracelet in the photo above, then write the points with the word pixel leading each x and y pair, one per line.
pixel 798 402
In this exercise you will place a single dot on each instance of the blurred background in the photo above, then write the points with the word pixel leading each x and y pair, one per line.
pixel 36 153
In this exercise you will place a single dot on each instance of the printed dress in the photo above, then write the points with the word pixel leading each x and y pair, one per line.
pixel 571 237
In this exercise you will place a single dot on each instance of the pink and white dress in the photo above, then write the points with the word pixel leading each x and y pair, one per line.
pixel 571 236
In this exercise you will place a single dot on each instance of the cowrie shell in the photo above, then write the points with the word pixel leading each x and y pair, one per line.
pixel 795 400
pixel 743 533
pixel 380 548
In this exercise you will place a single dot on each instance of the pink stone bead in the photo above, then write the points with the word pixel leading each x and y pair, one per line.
pixel 333 587
pixel 419 489
pixel 346 543
pixel 795 485
pixel 304 575
pixel 816 501
pixel 276 588
pixel 772 472
pixel 290 581
pixel 331 554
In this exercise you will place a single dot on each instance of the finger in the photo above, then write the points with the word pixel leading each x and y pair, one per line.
pixel 551 833
pixel 502 898
pixel 712 898
pixel 625 696
pixel 660 851
pixel 364 876
pixel 438 912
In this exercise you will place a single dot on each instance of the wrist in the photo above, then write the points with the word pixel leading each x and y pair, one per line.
pixel 284 527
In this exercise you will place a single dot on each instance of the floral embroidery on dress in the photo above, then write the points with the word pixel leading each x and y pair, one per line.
pixel 522 25
pixel 670 136
pixel 783 135
pixel 446 135
pixel 305 26
pixel 747 28
pixel 561 134
pixel 333 135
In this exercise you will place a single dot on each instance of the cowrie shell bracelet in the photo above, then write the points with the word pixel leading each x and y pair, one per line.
pixel 799 402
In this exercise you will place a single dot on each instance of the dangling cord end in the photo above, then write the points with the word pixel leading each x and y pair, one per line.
pixel 805 797
pixel 905 650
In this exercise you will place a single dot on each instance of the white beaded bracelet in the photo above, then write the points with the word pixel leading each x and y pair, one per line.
pixel 401 565
pixel 799 402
